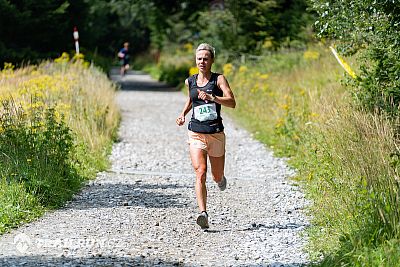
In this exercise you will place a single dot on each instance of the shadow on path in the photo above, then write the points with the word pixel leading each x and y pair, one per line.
pixel 139 81
pixel 144 195
pixel 111 260
pixel 256 227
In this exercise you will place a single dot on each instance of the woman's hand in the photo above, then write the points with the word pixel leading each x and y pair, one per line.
pixel 180 120
pixel 204 96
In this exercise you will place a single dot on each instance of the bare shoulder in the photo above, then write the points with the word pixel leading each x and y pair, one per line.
pixel 221 78
pixel 187 82
pixel 222 82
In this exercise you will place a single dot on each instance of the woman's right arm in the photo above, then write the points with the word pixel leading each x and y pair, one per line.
pixel 188 106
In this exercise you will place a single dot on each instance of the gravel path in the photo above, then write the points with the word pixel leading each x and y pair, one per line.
pixel 142 211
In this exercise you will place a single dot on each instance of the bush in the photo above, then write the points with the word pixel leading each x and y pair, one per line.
pixel 57 123
pixel 370 28
pixel 174 68
pixel 174 75
pixel 37 149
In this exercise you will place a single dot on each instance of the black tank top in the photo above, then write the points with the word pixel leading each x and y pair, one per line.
pixel 206 115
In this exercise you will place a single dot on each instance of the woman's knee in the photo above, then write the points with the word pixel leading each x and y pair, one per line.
pixel 201 173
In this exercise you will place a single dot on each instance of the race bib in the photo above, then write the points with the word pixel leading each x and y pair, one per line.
pixel 206 112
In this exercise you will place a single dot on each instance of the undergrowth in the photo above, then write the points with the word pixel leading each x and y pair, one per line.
pixel 57 124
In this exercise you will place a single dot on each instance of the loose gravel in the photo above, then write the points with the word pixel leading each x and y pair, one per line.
pixel 142 211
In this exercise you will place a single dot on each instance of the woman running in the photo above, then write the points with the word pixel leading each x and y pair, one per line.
pixel 208 91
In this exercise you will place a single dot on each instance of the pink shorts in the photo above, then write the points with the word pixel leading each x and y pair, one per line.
pixel 214 144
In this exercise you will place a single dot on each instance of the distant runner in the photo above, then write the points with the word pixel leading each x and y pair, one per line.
pixel 207 92
pixel 123 56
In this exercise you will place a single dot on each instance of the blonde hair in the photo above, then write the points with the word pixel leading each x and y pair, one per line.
pixel 209 48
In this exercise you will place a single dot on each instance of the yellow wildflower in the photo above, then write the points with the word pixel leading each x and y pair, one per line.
pixel 192 71
pixel 242 69
pixel 267 43
pixel 227 69
pixel 188 47
pixel 64 58
pixel 285 107
pixel 8 69
pixel 311 55
pixel 265 88
pixel 279 123
pixel 78 56
pixel 254 89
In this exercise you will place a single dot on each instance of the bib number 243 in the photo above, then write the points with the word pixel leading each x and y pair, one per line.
pixel 205 112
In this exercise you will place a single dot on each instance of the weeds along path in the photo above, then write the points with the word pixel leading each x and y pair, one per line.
pixel 142 211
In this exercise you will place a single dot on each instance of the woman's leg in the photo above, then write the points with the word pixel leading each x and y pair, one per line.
pixel 217 167
pixel 199 162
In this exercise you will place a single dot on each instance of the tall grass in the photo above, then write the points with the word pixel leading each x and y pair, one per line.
pixel 347 159
pixel 57 122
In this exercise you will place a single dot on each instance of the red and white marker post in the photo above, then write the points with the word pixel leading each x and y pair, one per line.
pixel 76 38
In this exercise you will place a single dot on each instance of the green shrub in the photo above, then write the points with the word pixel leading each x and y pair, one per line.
pixel 57 123
pixel 174 75
pixel 37 151
pixel 370 28
pixel 17 205
pixel 174 68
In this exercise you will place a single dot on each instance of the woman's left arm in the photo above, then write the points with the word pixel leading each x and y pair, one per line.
pixel 228 99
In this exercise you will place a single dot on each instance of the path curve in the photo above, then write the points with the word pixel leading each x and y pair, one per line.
pixel 142 211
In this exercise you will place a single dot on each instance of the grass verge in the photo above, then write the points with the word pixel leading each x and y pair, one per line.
pixel 347 159
pixel 57 124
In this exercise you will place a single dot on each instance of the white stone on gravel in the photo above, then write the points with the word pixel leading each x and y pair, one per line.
pixel 142 211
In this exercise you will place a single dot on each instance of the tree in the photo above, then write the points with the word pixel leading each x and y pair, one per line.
pixel 371 29
pixel 37 29
pixel 278 20
pixel 32 29
pixel 244 26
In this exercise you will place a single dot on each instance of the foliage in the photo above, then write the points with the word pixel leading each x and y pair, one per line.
pixel 347 159
pixel 33 30
pixel 17 205
pixel 36 151
pixel 53 136
pixel 370 28
pixel 281 21
pixel 174 69
pixel 220 29
pixel 243 26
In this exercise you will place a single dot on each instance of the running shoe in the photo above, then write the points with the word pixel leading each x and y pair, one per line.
pixel 202 220
pixel 222 184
